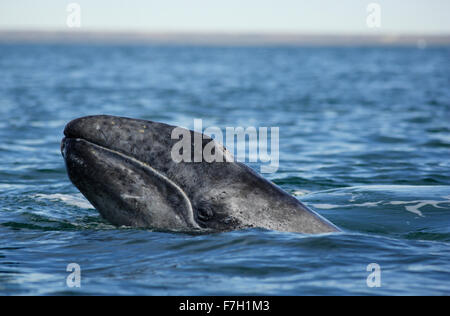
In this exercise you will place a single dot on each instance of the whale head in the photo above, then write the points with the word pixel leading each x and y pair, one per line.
pixel 125 168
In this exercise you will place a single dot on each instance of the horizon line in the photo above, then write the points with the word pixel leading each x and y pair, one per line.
pixel 250 38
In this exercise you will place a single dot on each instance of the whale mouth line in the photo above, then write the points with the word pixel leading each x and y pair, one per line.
pixel 103 147
pixel 113 151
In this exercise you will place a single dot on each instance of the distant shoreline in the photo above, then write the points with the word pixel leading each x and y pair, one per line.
pixel 220 39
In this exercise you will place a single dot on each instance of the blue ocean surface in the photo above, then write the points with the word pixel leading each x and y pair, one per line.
pixel 364 141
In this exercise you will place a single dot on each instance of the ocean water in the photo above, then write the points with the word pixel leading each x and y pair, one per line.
pixel 364 141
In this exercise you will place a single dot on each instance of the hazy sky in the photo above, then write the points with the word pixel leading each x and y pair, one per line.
pixel 313 16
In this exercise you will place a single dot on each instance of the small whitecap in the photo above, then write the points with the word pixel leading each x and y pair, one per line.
pixel 416 205
pixel 300 192
pixel 326 206
pixel 77 200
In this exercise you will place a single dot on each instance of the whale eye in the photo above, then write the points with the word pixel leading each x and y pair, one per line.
pixel 204 213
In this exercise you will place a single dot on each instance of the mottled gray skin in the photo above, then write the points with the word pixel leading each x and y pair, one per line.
pixel 124 168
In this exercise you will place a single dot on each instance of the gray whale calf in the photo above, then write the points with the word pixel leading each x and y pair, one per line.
pixel 124 167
